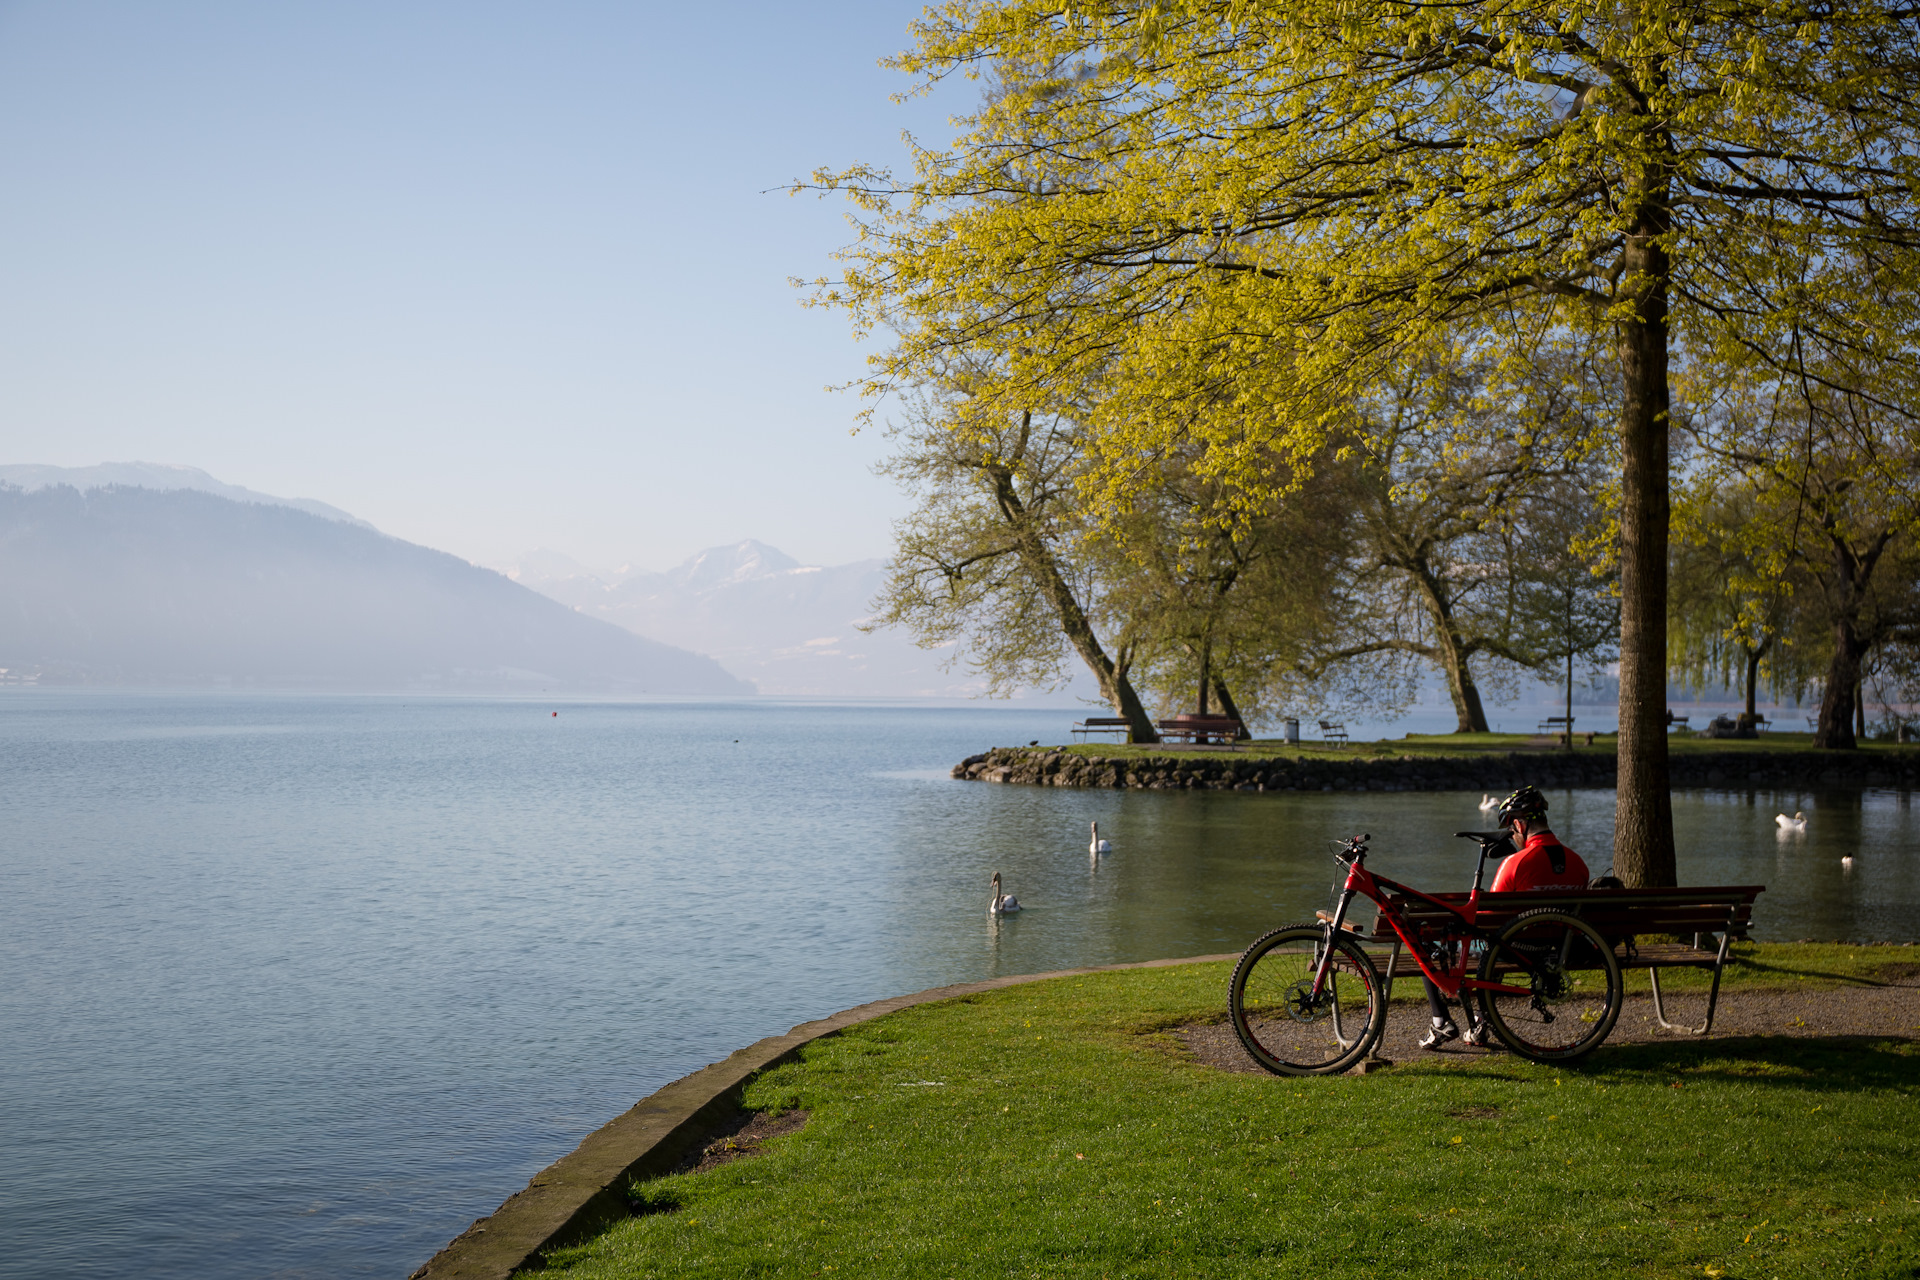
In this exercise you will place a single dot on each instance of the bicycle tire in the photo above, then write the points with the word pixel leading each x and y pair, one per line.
pixel 1289 1037
pixel 1548 947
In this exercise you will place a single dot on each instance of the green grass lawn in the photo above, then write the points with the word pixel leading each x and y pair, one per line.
pixel 1056 1129
pixel 1437 746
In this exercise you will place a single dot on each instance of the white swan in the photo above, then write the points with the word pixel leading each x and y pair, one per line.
pixel 1003 903
pixel 1798 822
pixel 1487 803
pixel 1097 845
pixel 1846 860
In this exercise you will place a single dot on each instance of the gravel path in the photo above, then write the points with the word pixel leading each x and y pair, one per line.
pixel 1890 1010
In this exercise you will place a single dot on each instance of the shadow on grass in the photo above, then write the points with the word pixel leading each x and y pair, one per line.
pixel 1885 976
pixel 1814 1063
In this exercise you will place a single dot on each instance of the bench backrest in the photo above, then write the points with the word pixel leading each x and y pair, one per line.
pixel 1616 913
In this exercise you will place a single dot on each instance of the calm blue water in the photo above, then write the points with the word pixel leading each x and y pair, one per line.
pixel 301 986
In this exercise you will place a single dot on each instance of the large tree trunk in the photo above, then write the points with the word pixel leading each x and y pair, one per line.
pixel 1467 711
pixel 1838 702
pixel 1643 853
pixel 1229 708
pixel 1470 715
pixel 1206 674
pixel 1115 687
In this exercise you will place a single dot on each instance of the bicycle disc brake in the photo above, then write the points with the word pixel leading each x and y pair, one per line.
pixel 1302 1006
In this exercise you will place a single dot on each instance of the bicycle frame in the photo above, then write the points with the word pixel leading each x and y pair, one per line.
pixel 1361 882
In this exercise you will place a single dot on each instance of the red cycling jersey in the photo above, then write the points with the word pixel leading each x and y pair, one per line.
pixel 1532 868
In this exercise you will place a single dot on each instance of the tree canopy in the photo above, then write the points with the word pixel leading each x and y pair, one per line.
pixel 1243 216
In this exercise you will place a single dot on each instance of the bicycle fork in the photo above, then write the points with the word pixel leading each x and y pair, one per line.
pixel 1326 951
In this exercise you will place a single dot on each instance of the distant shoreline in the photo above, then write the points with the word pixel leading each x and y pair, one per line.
pixel 1276 768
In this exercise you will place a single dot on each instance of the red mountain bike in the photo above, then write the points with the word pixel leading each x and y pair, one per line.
pixel 1307 999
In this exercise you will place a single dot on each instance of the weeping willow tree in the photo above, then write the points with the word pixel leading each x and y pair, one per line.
pixel 1287 198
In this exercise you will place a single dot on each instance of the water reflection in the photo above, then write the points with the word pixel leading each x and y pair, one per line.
pixel 1195 873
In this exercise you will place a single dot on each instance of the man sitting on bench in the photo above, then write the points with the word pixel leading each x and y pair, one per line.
pixel 1541 863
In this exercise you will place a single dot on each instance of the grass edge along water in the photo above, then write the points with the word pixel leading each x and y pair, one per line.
pixel 1060 1128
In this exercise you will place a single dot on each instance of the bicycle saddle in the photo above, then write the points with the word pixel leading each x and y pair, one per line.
pixel 1493 844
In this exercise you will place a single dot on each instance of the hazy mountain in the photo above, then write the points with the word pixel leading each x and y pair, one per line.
pixel 122 585
pixel 790 628
pixel 154 475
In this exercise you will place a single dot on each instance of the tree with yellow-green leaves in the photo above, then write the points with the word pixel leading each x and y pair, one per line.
pixel 1245 213
pixel 1824 554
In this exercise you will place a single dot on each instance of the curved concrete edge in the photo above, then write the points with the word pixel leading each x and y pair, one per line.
pixel 583 1193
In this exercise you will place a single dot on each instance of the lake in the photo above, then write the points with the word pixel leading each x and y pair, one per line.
pixel 300 986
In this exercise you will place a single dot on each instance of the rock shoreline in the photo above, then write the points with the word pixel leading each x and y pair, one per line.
pixel 1494 771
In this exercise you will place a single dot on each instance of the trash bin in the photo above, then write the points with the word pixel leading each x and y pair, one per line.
pixel 1292 731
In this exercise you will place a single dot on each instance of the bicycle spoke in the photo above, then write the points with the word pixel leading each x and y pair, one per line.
pixel 1571 981
pixel 1284 1024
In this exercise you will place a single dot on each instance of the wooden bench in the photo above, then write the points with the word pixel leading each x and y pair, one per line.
pixel 1103 724
pixel 1555 724
pixel 1674 720
pixel 1622 916
pixel 1200 728
pixel 1334 731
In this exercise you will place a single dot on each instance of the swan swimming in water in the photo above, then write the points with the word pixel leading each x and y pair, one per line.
pixel 1097 845
pixel 1487 803
pixel 1846 860
pixel 1003 903
pixel 1798 822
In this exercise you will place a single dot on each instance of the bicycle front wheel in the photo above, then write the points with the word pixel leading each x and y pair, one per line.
pixel 1571 980
pixel 1288 1028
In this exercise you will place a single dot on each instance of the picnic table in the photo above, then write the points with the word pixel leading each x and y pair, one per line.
pixel 1200 728
pixel 1103 724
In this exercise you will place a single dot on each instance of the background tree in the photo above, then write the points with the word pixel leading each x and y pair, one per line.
pixel 986 563
pixel 1729 610
pixel 1227 595
pixel 1457 446
pixel 1319 185
pixel 1567 605
pixel 1823 465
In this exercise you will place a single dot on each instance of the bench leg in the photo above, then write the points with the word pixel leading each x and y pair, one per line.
pixel 1719 966
pixel 1386 1001
pixel 1713 994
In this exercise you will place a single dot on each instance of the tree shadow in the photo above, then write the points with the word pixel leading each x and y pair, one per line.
pixel 1819 1064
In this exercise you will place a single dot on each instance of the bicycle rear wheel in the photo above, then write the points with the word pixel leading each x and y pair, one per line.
pixel 1572 982
pixel 1284 1026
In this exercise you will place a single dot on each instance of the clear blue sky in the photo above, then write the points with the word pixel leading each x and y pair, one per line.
pixel 490 276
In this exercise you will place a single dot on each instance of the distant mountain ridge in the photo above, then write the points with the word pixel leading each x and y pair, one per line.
pixel 155 475
pixel 133 585
pixel 790 627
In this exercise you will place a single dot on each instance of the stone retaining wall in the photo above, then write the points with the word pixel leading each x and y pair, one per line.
pixel 1493 772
